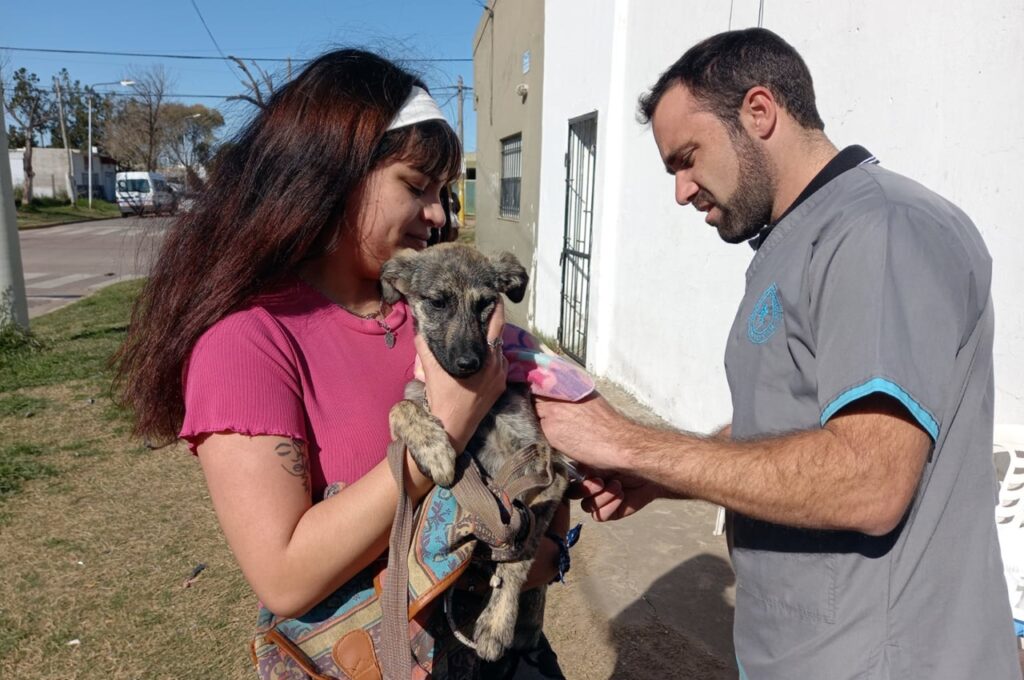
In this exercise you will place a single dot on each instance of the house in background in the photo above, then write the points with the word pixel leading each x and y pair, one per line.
pixel 508 65
pixel 51 170
pixel 642 291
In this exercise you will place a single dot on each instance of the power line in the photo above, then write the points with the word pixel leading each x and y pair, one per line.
pixel 212 39
pixel 453 96
pixel 10 86
pixel 208 32
pixel 196 57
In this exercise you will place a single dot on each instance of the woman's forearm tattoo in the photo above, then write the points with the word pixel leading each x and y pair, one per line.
pixel 296 461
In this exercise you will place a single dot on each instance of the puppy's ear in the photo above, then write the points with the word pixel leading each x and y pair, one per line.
pixel 509 276
pixel 395 275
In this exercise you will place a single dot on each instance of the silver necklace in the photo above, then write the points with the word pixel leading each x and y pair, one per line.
pixel 378 316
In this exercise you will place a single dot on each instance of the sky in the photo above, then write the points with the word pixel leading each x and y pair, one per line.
pixel 299 29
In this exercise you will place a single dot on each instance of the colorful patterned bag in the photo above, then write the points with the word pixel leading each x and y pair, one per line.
pixel 340 637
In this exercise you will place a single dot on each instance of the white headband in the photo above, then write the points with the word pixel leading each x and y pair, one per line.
pixel 418 107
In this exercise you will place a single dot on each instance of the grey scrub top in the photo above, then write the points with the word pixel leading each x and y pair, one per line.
pixel 873 284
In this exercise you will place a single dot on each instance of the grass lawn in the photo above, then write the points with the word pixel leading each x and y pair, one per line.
pixel 98 532
pixel 49 212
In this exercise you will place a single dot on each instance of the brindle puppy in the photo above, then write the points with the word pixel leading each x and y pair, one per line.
pixel 452 290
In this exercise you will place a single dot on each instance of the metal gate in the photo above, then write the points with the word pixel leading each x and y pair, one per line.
pixel 580 171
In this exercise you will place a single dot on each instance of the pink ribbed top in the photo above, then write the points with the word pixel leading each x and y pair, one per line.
pixel 297 365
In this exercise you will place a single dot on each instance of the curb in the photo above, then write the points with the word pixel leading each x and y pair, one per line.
pixel 61 224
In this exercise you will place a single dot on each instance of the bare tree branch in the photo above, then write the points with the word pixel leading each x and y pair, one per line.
pixel 253 85
pixel 135 130
pixel 243 98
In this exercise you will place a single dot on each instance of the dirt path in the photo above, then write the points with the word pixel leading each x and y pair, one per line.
pixel 648 597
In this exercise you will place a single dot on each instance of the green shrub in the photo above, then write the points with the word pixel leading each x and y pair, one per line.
pixel 50 201
pixel 14 339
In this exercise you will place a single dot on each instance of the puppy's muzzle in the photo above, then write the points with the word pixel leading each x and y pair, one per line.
pixel 467 364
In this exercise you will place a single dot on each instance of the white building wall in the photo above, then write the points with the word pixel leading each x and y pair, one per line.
pixel 576 77
pixel 930 87
pixel 50 167
pixel 17 158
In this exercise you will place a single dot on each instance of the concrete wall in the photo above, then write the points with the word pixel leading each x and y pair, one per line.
pixel 930 87
pixel 517 26
pixel 50 167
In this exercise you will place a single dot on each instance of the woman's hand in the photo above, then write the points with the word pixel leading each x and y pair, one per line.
pixel 460 405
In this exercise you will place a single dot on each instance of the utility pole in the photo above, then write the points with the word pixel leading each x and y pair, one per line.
pixel 13 305
pixel 460 93
pixel 90 151
pixel 72 194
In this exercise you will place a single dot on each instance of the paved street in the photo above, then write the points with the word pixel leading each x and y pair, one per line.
pixel 62 264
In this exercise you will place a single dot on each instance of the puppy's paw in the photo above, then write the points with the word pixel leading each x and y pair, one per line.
pixel 492 637
pixel 426 440
pixel 435 459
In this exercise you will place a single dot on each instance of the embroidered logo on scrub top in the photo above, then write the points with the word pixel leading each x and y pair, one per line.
pixel 766 316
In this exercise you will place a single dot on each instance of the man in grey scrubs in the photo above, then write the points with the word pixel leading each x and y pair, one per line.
pixel 858 469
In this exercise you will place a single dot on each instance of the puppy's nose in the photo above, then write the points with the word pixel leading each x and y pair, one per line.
pixel 468 363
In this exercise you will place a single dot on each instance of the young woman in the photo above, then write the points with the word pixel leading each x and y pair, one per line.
pixel 262 339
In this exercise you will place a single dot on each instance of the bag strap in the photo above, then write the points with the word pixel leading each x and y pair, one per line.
pixel 396 654
pixel 493 518
pixel 513 482
pixel 297 655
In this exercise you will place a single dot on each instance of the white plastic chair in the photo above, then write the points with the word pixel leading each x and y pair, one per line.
pixel 1008 451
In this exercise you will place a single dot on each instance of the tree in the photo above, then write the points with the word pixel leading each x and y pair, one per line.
pixel 76 113
pixel 190 136
pixel 33 108
pixel 15 137
pixel 134 131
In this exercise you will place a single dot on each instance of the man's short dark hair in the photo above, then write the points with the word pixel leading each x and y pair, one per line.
pixel 720 70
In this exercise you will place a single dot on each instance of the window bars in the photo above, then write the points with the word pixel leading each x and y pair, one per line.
pixel 511 176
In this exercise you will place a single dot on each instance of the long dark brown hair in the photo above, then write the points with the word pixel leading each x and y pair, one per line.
pixel 275 199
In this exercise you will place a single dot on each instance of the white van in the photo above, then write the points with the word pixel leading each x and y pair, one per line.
pixel 143 192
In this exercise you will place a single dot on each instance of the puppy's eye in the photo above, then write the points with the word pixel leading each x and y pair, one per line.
pixel 438 303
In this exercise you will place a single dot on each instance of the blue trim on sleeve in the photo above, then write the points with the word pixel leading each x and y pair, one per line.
pixel 739 665
pixel 926 420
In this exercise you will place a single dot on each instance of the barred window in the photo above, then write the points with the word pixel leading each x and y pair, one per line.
pixel 511 175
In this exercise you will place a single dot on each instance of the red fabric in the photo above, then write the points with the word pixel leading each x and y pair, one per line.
pixel 297 365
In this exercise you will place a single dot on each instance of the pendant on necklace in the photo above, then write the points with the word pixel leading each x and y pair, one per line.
pixel 389 339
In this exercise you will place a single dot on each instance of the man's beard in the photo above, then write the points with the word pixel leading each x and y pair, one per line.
pixel 750 206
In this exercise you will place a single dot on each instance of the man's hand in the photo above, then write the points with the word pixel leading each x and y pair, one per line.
pixel 615 497
pixel 593 434
pixel 588 431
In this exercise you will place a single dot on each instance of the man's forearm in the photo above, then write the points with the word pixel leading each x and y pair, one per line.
pixel 812 479
pixel 858 472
